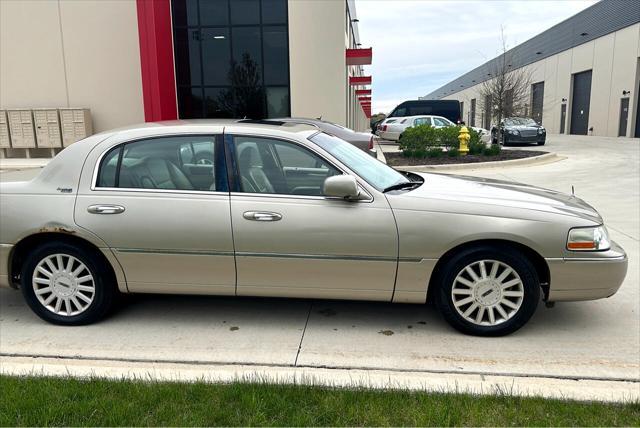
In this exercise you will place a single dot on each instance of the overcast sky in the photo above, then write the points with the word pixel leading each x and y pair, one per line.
pixel 419 45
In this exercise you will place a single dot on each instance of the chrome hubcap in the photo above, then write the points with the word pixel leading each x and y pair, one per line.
pixel 63 285
pixel 487 292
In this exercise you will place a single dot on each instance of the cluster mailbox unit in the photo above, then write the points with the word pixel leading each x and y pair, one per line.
pixel 43 128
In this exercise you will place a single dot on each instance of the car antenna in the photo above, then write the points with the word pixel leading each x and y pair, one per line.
pixel 573 191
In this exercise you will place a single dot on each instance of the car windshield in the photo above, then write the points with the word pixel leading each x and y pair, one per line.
pixel 519 121
pixel 371 170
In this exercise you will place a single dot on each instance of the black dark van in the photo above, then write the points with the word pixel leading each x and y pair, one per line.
pixel 447 108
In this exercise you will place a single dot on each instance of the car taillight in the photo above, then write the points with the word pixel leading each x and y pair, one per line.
pixel 371 143
pixel 384 127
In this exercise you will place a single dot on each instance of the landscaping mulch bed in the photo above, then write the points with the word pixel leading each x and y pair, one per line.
pixel 398 159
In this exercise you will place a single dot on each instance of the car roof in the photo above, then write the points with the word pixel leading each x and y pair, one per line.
pixel 191 125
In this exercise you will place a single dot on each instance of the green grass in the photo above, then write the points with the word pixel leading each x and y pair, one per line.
pixel 53 401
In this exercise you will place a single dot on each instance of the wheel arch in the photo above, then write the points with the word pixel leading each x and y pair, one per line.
pixel 21 249
pixel 539 263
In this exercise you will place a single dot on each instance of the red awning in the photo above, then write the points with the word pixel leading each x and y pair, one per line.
pixel 363 91
pixel 360 80
pixel 358 56
pixel 361 99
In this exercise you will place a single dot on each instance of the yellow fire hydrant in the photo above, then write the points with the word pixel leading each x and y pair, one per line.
pixel 464 138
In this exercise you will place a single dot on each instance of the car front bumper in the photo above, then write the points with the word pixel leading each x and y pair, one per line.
pixel 589 277
pixel 510 138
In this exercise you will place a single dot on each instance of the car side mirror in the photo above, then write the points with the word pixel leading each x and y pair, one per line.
pixel 341 186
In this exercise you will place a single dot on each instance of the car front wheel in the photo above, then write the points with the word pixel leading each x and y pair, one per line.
pixel 66 285
pixel 488 291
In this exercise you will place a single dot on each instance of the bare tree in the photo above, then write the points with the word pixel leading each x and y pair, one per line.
pixel 507 91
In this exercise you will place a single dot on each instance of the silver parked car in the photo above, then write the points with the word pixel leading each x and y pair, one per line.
pixel 289 211
pixel 362 140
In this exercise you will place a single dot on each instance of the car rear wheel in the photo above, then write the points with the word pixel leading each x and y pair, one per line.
pixel 541 143
pixel 488 291
pixel 66 285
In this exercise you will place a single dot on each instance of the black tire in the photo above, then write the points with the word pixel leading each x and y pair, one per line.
pixel 103 280
pixel 510 257
pixel 541 143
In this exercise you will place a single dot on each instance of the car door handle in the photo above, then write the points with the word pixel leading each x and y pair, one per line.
pixel 105 209
pixel 262 216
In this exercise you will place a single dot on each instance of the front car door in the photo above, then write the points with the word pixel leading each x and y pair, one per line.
pixel 291 241
pixel 161 203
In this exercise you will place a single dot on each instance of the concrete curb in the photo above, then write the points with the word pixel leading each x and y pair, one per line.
pixel 531 161
pixel 490 383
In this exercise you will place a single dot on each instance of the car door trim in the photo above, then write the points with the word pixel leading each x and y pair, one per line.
pixel 270 255
pixel 174 251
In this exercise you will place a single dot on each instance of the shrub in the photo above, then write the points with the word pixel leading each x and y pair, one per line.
pixel 417 140
pixel 492 150
pixel 476 145
pixel 434 152
pixel 448 137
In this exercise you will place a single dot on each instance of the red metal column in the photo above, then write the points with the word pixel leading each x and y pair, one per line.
pixel 156 60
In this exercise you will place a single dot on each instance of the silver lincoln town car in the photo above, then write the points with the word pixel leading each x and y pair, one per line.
pixel 285 210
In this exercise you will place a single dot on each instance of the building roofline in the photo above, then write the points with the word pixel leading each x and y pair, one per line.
pixel 598 20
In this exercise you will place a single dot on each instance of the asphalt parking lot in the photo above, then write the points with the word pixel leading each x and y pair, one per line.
pixel 596 341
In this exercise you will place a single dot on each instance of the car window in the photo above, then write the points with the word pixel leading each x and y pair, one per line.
pixel 374 172
pixel 441 122
pixel 171 163
pixel 273 166
pixel 422 121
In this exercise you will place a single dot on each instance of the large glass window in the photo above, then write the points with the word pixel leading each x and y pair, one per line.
pixel 172 163
pixel 232 58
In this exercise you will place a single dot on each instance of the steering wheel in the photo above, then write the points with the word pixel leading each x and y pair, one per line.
pixel 203 158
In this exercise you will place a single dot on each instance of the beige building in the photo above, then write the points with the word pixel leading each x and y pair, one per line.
pixel 134 60
pixel 585 74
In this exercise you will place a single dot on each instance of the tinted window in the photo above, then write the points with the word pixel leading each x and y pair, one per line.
pixel 441 122
pixel 274 12
pixel 172 163
pixel 108 168
pixel 245 12
pixel 231 58
pixel 274 166
pixel 447 108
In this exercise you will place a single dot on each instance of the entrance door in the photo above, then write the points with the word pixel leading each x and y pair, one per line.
pixel 488 101
pixel 624 117
pixel 291 241
pixel 472 119
pixel 537 98
pixel 580 103
pixel 563 117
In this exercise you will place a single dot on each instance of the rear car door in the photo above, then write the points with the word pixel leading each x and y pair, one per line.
pixel 291 241
pixel 162 205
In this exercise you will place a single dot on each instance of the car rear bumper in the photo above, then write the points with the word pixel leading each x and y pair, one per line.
pixel 594 276
pixel 5 250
